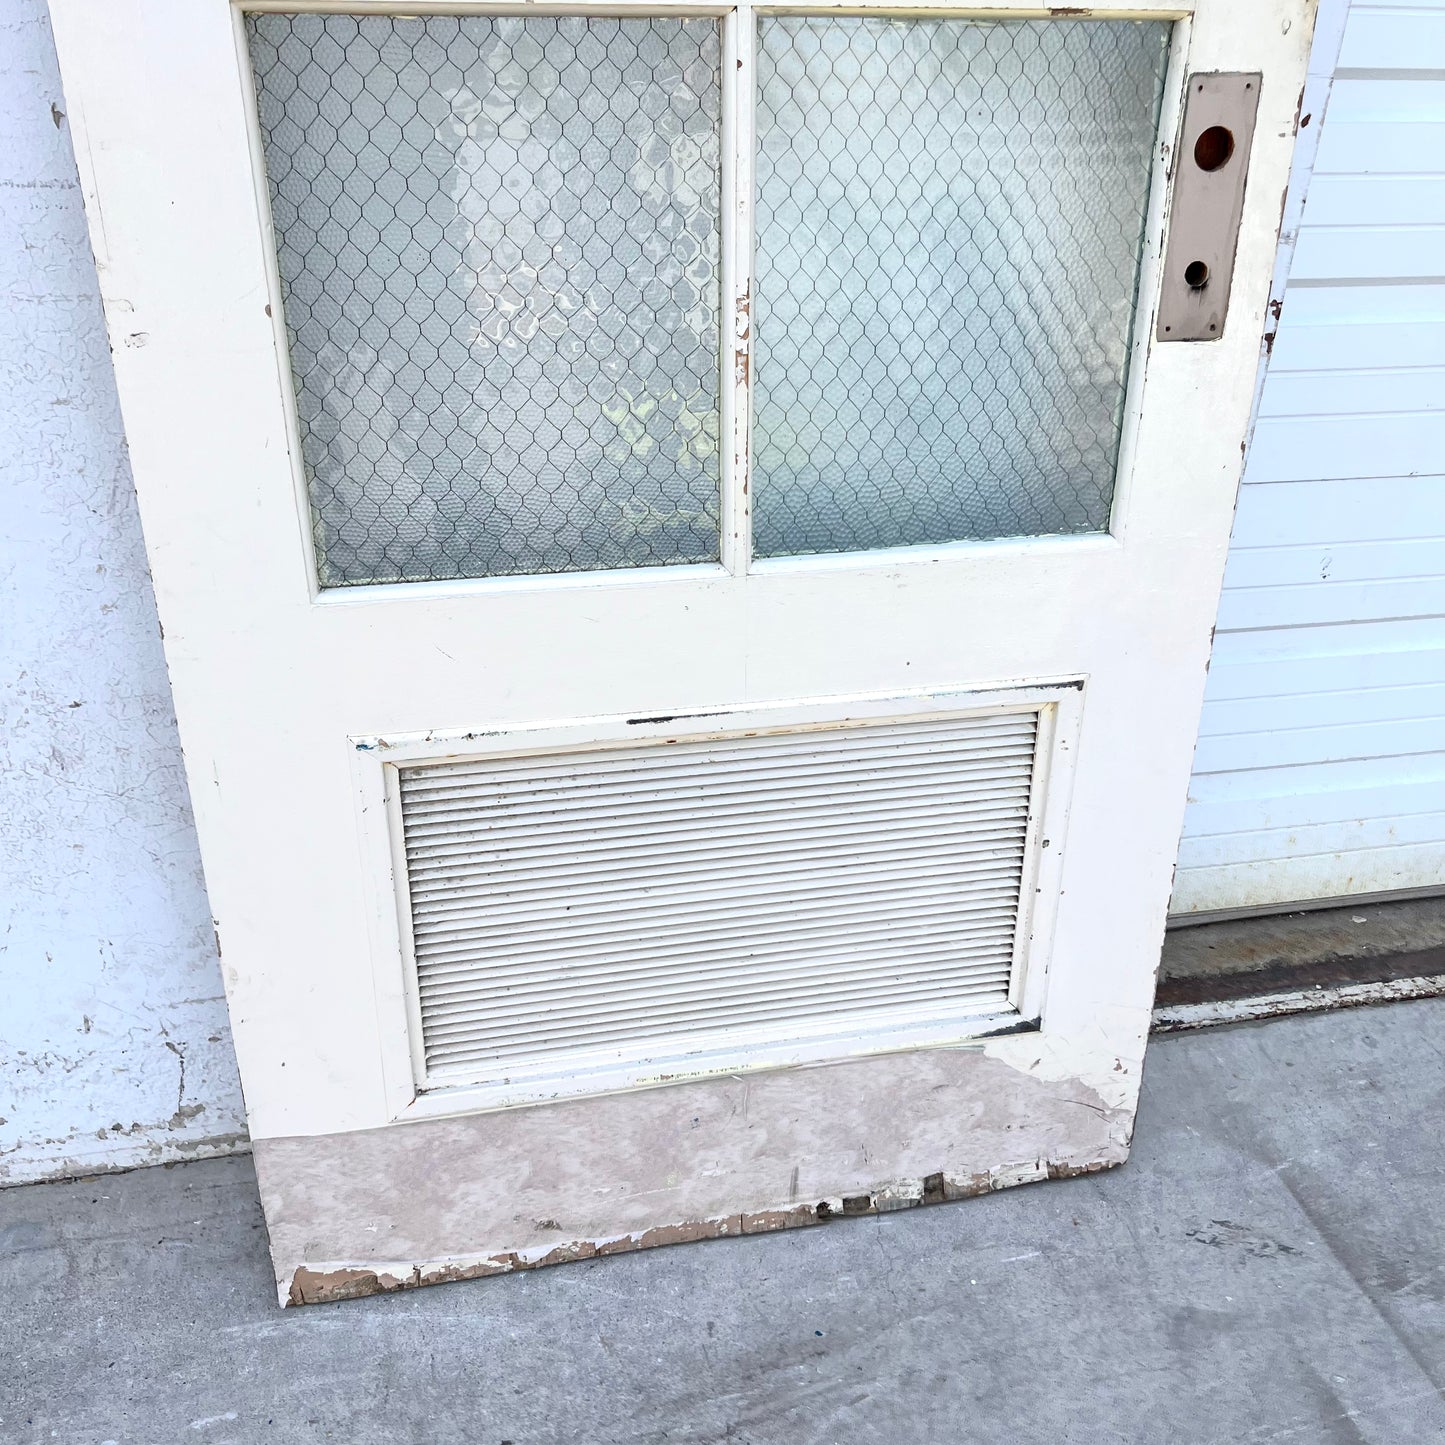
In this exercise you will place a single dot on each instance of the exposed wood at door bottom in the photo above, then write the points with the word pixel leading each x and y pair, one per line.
pixel 321 1286
pixel 516 1189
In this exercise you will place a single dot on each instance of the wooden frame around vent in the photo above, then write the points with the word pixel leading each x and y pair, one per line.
pixel 413 1093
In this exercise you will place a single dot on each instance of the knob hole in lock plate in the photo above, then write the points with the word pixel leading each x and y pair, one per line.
pixel 1196 275
pixel 1214 147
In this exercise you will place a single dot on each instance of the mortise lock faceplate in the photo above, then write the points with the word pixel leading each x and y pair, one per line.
pixel 1209 175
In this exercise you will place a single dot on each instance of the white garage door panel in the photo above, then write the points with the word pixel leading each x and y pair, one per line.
pixel 1335 562
pixel 1292 833
pixel 1343 510
pixel 1239 803
pixel 1384 389
pixel 1290 747
pixel 1320 769
pixel 1398 95
pixel 1282 881
pixel 1282 684
pixel 1315 840
pixel 1365 146
pixel 1360 445
pixel 1388 200
pixel 1309 605
pixel 1358 352
pixel 1396 36
pixel 1425 701
pixel 1368 253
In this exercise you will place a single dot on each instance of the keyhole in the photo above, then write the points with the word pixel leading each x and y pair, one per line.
pixel 1213 148
pixel 1196 273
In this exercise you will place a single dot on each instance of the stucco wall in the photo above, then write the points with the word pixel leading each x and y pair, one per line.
pixel 114 1046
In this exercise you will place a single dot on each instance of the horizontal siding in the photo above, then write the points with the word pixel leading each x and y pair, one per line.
pixel 1413 701
pixel 1287 682
pixel 1334 562
pixel 1347 509
pixel 1357 444
pixel 1289 747
pixel 1244 609
pixel 1288 878
pixel 1385 390
pixel 1394 37
pixel 1381 146
pixel 1388 200
pixel 1317 840
pixel 1368 252
pixel 1358 353
pixel 1320 768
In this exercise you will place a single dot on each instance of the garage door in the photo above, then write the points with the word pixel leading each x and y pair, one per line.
pixel 1320 770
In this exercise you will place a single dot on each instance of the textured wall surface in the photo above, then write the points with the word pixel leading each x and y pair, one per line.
pixel 114 1047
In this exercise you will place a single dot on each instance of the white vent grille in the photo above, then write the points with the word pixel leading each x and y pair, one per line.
pixel 639 902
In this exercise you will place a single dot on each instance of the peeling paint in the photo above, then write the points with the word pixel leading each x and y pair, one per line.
pixel 1174 1018
pixel 727 1157
pixel 742 336
pixel 330 1283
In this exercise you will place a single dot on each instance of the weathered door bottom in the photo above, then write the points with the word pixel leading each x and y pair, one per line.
pixel 485 1194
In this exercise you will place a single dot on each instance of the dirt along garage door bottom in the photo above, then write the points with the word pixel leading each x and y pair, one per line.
pixel 1251 968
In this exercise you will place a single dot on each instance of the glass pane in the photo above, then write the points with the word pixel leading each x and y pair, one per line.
pixel 949 225
pixel 498 246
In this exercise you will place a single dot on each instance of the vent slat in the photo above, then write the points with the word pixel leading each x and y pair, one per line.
pixel 619 818
pixel 638 902
pixel 847 1001
pixel 772 819
pixel 499 989
pixel 691 848
pixel 796 776
pixel 1007 730
pixel 628 897
pixel 484 965
pixel 781 920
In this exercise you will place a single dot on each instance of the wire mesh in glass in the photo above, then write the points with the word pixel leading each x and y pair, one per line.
pixel 498 245
pixel 950 222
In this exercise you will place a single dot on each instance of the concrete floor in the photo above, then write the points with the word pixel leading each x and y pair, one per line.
pixel 1270 1266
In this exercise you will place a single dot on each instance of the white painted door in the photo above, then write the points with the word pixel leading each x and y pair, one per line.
pixel 681 554
pixel 1320 771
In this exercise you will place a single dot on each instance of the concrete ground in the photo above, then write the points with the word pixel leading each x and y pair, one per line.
pixel 1270 1266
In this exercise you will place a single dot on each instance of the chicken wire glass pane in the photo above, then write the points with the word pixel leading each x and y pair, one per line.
pixel 950 218
pixel 498 248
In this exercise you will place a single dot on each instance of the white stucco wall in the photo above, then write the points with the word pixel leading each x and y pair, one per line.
pixel 114 1046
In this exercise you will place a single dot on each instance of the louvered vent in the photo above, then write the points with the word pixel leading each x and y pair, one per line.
pixel 645 902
